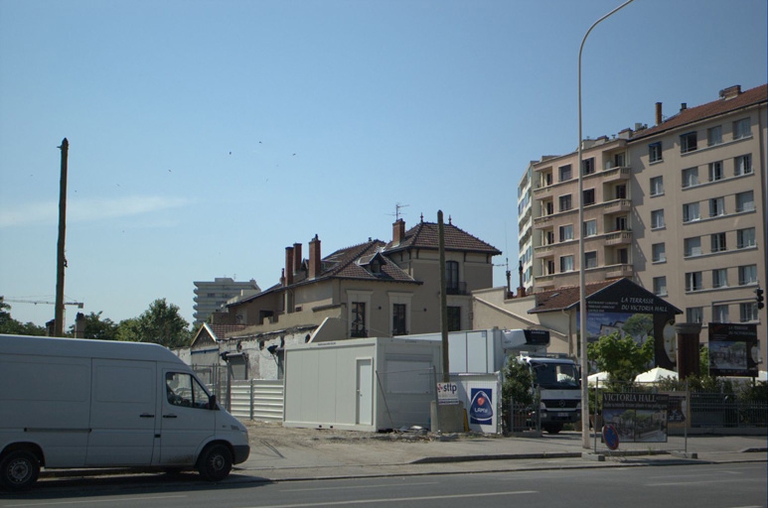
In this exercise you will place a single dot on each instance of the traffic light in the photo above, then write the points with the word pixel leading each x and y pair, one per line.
pixel 759 298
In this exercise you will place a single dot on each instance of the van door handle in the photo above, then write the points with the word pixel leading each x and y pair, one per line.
pixel 146 415
pixel 170 416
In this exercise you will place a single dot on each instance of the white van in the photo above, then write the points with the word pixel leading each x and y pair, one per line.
pixel 71 403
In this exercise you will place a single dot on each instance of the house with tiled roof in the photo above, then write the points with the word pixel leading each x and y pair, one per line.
pixel 370 289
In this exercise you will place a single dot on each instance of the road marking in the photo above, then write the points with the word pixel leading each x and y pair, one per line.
pixel 668 484
pixel 85 501
pixel 362 486
pixel 398 499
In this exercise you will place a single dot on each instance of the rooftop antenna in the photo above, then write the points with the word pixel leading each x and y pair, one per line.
pixel 398 215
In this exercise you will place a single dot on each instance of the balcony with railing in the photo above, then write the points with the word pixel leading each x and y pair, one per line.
pixel 618 238
pixel 616 174
pixel 617 206
pixel 456 288
pixel 617 271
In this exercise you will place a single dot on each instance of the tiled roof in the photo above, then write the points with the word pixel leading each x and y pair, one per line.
pixel 343 264
pixel 711 109
pixel 566 297
pixel 425 236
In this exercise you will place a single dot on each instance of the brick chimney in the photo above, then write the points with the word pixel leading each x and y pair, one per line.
pixel 314 258
pixel 658 114
pixel 398 231
pixel 288 266
pixel 296 257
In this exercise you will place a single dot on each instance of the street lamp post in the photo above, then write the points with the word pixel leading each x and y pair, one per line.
pixel 582 284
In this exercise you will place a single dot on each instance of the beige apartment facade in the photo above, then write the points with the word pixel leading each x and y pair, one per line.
pixel 679 208
pixel 607 215
pixel 699 210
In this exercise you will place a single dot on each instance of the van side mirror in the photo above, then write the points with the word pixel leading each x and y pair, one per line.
pixel 212 403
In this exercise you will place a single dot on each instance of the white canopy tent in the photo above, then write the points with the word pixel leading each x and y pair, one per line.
pixel 655 375
pixel 602 377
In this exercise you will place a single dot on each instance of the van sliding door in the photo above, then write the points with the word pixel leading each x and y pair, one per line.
pixel 123 411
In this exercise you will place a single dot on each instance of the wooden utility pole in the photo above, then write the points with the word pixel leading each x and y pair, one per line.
pixel 61 260
pixel 443 297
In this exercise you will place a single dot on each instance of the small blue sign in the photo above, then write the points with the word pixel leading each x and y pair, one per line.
pixel 481 406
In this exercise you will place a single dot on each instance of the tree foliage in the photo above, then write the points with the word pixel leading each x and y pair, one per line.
pixel 12 326
pixel 621 357
pixel 516 383
pixel 96 328
pixel 161 324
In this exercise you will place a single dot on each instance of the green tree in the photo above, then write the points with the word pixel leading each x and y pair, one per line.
pixel 12 326
pixel 96 328
pixel 161 324
pixel 639 325
pixel 621 358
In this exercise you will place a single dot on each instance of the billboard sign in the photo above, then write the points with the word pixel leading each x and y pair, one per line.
pixel 637 417
pixel 733 349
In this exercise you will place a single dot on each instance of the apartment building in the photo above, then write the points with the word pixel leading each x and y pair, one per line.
pixel 211 296
pixel 525 229
pixel 680 208
pixel 699 208
pixel 607 214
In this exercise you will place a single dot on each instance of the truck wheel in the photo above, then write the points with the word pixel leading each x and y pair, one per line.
pixel 19 470
pixel 215 463
pixel 553 428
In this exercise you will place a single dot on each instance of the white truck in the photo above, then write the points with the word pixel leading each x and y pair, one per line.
pixel 69 403
pixel 556 378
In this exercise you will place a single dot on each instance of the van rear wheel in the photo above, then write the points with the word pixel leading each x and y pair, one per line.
pixel 19 470
pixel 215 463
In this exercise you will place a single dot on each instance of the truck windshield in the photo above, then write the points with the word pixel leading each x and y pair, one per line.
pixel 554 375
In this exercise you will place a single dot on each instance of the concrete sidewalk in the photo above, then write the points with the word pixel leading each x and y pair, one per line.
pixel 407 454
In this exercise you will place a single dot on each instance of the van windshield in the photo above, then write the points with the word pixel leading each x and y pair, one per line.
pixel 556 376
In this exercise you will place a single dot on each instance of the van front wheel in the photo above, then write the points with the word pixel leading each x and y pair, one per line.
pixel 19 470
pixel 215 463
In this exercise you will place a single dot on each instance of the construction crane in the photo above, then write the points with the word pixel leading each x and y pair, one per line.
pixel 80 305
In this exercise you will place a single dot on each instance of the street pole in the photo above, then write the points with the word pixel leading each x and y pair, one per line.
pixel 443 297
pixel 582 284
pixel 61 261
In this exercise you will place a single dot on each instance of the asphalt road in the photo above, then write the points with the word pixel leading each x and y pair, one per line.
pixel 701 486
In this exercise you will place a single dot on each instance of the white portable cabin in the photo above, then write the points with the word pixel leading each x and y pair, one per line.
pixel 372 384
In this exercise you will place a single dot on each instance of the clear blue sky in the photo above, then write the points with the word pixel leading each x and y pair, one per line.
pixel 205 137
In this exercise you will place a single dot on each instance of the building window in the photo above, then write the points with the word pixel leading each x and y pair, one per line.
pixel 550 266
pixel 743 165
pixel 693 281
pixel 658 253
pixel 748 312
pixel 660 286
pixel 452 277
pixel 719 278
pixel 619 158
pixel 657 219
pixel 358 320
pixel 716 207
pixel 745 201
pixel 745 238
pixel 546 179
pixel 747 275
pixel 657 186
pixel 622 223
pixel 622 256
pixel 692 247
pixel 549 208
pixel 565 173
pixel 742 129
pixel 690 177
pixel 588 166
pixel 566 264
pixel 691 212
pixel 720 313
pixel 590 259
pixel 589 197
pixel 714 135
pixel 715 171
pixel 454 319
pixel 688 142
pixel 549 238
pixel 566 233
pixel 399 319
pixel 694 314
pixel 590 228
pixel 621 192
pixel 654 152
pixel 718 242
pixel 565 203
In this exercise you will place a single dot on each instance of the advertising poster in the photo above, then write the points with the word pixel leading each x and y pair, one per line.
pixel 733 349
pixel 481 406
pixel 627 308
pixel 637 417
